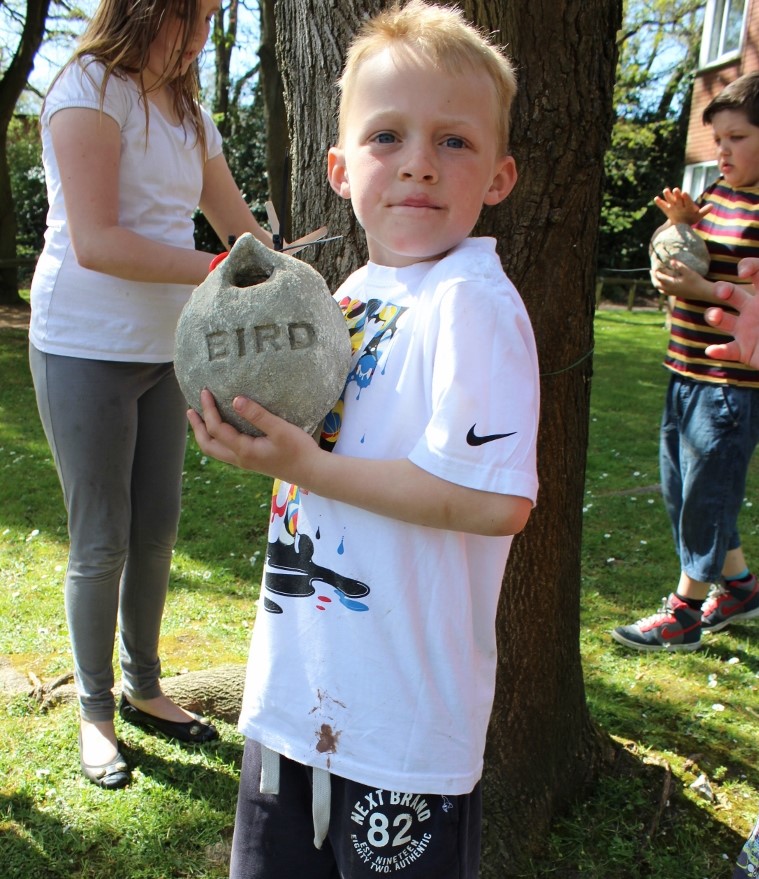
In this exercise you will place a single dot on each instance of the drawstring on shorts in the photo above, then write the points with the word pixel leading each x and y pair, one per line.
pixel 321 797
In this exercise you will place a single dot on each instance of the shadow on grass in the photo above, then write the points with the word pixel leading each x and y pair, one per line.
pixel 700 735
pixel 196 779
pixel 23 835
pixel 122 834
pixel 630 825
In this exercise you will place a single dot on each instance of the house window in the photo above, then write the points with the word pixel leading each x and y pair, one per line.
pixel 723 30
pixel 698 177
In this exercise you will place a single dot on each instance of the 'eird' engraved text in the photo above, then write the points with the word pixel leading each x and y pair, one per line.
pixel 242 342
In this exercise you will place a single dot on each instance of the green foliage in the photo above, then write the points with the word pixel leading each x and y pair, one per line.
pixel 643 158
pixel 658 50
pixel 27 184
pixel 672 717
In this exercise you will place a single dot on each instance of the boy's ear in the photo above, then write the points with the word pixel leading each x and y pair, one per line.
pixel 503 182
pixel 337 173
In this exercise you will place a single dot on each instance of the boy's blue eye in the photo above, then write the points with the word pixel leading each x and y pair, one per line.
pixel 385 137
pixel 455 143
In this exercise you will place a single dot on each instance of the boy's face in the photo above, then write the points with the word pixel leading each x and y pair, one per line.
pixel 737 143
pixel 419 157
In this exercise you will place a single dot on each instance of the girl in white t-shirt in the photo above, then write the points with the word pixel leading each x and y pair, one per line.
pixel 129 154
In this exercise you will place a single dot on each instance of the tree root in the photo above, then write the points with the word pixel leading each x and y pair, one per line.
pixel 216 692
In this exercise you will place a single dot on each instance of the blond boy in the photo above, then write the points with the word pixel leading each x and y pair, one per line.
pixel 372 665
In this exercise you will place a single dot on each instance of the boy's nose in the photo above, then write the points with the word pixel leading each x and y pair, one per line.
pixel 419 172
pixel 418 165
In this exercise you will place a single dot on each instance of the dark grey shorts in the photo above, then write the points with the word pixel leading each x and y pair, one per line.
pixel 372 832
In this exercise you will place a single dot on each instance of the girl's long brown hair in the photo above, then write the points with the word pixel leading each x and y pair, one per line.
pixel 119 36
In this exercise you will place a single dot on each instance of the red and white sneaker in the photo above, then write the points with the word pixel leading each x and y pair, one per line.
pixel 676 627
pixel 730 603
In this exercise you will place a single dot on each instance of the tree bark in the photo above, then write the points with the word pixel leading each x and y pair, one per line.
pixel 216 692
pixel 224 38
pixel 277 135
pixel 312 36
pixel 543 746
pixel 11 85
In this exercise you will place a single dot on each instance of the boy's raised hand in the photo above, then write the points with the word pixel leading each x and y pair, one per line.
pixel 744 327
pixel 285 451
pixel 679 207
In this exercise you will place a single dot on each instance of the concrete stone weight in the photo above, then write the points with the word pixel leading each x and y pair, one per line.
pixel 679 242
pixel 263 325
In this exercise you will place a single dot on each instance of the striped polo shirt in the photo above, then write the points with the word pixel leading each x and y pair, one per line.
pixel 731 232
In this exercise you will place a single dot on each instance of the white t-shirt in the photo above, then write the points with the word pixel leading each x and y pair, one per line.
pixel 374 651
pixel 82 313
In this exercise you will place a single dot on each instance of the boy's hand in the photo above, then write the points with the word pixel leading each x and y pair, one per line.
pixel 680 280
pixel 744 327
pixel 679 207
pixel 285 452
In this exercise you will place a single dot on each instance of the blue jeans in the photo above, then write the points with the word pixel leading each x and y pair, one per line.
pixel 748 859
pixel 708 434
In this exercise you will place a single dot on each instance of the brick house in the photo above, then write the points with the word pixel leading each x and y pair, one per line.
pixel 729 48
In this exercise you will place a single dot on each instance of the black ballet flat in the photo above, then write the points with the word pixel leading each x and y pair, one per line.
pixel 195 732
pixel 109 776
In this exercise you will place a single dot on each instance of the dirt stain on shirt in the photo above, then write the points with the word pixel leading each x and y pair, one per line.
pixel 328 740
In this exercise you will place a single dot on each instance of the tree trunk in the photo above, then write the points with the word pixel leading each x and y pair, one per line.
pixel 216 692
pixel 311 39
pixel 543 747
pixel 277 135
pixel 224 38
pixel 11 85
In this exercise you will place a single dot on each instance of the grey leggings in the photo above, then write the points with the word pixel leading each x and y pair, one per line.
pixel 117 432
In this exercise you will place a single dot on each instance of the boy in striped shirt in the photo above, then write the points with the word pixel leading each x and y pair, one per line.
pixel 710 424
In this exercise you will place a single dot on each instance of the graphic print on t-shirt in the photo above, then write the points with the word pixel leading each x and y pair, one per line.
pixel 291 571
pixel 372 325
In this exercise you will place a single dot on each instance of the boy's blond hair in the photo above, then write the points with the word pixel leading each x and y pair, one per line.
pixel 438 34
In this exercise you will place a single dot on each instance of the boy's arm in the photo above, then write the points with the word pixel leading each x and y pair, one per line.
pixel 394 488
pixel 744 326
pixel 681 281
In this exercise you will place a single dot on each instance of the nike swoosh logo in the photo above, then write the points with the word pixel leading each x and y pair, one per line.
pixel 474 440
pixel 668 634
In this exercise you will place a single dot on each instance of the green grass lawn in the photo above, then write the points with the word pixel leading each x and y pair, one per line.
pixel 679 716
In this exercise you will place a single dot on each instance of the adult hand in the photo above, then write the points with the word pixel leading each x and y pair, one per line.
pixel 744 326
pixel 679 207
pixel 285 451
